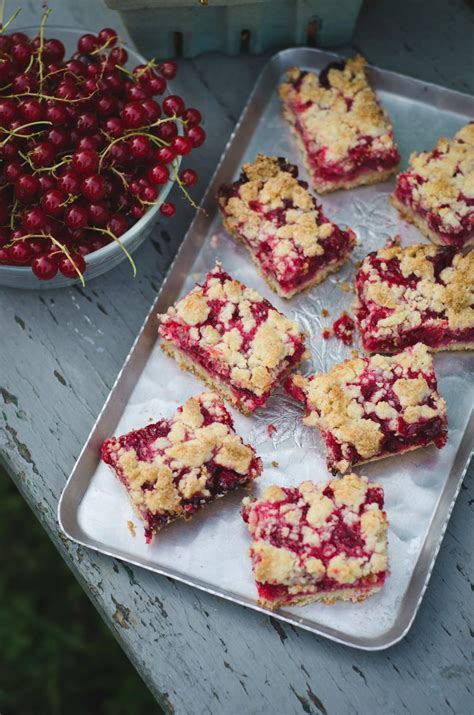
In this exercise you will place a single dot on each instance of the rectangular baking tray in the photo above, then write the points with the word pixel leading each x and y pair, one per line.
pixel 210 551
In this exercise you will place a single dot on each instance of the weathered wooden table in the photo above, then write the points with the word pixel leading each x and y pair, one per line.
pixel 59 355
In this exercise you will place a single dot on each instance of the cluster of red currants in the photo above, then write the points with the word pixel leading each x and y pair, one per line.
pixel 84 148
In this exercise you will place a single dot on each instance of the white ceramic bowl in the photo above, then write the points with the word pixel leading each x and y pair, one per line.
pixel 111 255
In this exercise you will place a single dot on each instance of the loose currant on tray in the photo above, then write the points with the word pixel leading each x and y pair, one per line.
pixel 85 147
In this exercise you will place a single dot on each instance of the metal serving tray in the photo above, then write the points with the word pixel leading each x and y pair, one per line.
pixel 210 551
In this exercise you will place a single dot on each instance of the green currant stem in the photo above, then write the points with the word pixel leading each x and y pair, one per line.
pixel 3 27
pixel 117 240
pixel 17 131
pixel 62 249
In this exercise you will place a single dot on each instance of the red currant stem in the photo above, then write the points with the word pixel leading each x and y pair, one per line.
pixel 16 131
pixel 36 170
pixel 119 242
pixel 70 199
pixel 46 14
pixel 132 133
pixel 3 27
pixel 103 47
pixel 185 192
pixel 118 173
pixel 12 216
pixel 62 248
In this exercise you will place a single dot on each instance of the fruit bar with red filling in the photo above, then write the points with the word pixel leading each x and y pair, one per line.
pixel 232 338
pixel 174 467
pixel 436 193
pixel 286 232
pixel 420 293
pixel 373 407
pixel 345 134
pixel 318 542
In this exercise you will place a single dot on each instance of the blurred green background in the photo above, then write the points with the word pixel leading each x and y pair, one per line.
pixel 56 654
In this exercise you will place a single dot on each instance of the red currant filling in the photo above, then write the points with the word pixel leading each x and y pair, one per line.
pixel 345 538
pixel 456 235
pixel 433 330
pixel 181 336
pixel 220 480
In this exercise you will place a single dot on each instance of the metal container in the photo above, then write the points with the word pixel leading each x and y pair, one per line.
pixel 210 551
pixel 169 28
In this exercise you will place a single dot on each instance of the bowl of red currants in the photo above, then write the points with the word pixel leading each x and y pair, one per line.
pixel 91 143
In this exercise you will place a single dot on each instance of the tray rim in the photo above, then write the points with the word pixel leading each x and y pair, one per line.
pixel 147 335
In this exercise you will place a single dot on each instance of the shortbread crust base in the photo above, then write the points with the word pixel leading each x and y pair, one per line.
pixel 349 594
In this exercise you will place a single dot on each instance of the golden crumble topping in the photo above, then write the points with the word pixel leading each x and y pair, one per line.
pixel 442 180
pixel 295 533
pixel 253 351
pixel 339 112
pixel 399 387
pixel 445 300
pixel 162 472
pixel 273 188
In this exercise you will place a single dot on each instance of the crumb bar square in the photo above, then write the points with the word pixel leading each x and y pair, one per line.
pixel 345 134
pixel 318 542
pixel 436 192
pixel 233 339
pixel 421 293
pixel 289 238
pixel 368 408
pixel 174 467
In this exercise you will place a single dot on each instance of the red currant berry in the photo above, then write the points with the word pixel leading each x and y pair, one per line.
pixel 107 37
pixel 106 105
pixel 173 105
pixel 75 217
pixel 98 214
pixel 24 83
pixel 57 114
pixel 13 171
pixel 167 131
pixel 93 187
pixel 26 188
pixel 119 56
pixel 52 202
pixel 152 110
pixel 137 210
pixel 196 135
pixel 86 123
pixel 181 145
pixel 66 90
pixel 168 69
pixel 135 93
pixel 118 224
pixel 44 267
pixel 47 182
pixel 21 54
pixel 165 154
pixel 155 84
pixel 5 256
pixel 114 127
pixel 140 147
pixel 67 267
pixel 85 161
pixel 87 44
pixel 188 177
pixel 33 220
pixel 20 253
pixel 18 37
pixel 42 154
pixel 158 174
pixel 69 182
pixel 8 109
pixel 53 51
pixel 192 117
pixel 58 137
pixel 168 209
pixel 119 153
pixel 31 110
pixel 133 115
